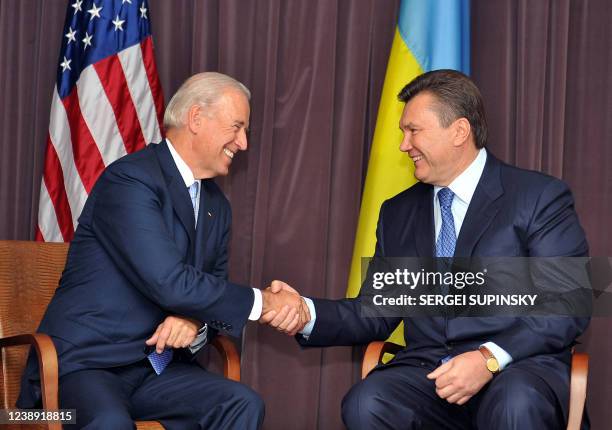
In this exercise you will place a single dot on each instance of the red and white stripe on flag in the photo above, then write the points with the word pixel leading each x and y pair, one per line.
pixel 107 103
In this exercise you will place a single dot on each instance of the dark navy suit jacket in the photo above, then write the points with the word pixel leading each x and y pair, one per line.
pixel 136 257
pixel 513 212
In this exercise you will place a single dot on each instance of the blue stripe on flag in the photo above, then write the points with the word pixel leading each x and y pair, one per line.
pixel 437 32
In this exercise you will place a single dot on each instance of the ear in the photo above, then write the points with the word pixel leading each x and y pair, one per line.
pixel 194 119
pixel 463 131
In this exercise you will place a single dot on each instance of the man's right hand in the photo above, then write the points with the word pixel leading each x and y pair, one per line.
pixel 293 314
pixel 174 332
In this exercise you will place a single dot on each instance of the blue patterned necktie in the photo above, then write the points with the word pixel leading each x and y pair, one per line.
pixel 445 245
pixel 193 193
pixel 161 361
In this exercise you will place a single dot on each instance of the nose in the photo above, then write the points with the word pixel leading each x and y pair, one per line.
pixel 406 144
pixel 241 140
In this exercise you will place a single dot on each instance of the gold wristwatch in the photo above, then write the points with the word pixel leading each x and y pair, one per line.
pixel 492 363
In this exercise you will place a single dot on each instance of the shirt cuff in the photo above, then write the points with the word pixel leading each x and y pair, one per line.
pixel 500 354
pixel 307 330
pixel 257 306
pixel 200 339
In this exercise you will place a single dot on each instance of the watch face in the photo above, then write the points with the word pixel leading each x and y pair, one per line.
pixel 492 365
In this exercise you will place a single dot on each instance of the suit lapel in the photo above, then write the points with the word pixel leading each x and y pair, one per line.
pixel 206 218
pixel 482 209
pixel 181 202
pixel 424 234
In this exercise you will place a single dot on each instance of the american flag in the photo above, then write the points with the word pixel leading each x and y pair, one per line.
pixel 107 102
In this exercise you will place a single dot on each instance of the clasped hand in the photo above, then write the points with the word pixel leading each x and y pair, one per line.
pixel 461 378
pixel 284 309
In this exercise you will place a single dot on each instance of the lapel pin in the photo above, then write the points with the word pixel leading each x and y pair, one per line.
pixel 209 214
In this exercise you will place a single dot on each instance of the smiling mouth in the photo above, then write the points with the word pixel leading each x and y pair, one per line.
pixel 417 158
pixel 229 153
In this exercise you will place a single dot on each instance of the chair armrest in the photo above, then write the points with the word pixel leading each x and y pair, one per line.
pixel 229 355
pixel 578 385
pixel 148 425
pixel 47 364
pixel 374 353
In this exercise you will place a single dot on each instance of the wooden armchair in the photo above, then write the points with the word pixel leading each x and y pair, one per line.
pixel 580 368
pixel 29 275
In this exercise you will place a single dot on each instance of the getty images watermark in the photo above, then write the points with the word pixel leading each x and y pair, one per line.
pixel 486 286
pixel 457 280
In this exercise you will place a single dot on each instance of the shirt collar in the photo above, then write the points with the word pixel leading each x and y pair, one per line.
pixel 182 167
pixel 464 185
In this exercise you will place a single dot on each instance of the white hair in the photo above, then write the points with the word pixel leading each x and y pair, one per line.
pixel 202 89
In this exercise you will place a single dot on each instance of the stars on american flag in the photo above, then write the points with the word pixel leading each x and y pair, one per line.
pixel 95 25
pixel 71 35
pixel 78 38
pixel 87 40
pixel 77 6
pixel 118 23
pixel 94 11
pixel 65 65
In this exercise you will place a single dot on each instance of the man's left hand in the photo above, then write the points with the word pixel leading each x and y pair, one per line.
pixel 462 377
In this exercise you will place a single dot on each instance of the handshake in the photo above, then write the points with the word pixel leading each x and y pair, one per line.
pixel 284 309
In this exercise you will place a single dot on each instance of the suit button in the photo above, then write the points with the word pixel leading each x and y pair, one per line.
pixel 449 347
pixel 422 364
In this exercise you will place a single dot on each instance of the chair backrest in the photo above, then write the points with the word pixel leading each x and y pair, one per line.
pixel 29 275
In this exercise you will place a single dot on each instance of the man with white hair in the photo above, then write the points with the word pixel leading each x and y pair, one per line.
pixel 151 247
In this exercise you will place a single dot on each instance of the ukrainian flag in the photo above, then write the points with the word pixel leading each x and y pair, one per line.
pixel 430 35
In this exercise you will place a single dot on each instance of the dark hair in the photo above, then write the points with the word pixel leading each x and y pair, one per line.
pixel 457 97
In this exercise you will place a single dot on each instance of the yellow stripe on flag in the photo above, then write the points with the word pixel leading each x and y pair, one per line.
pixel 389 170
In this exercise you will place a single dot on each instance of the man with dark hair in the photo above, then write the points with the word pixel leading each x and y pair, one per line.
pixel 455 96
pixel 461 373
